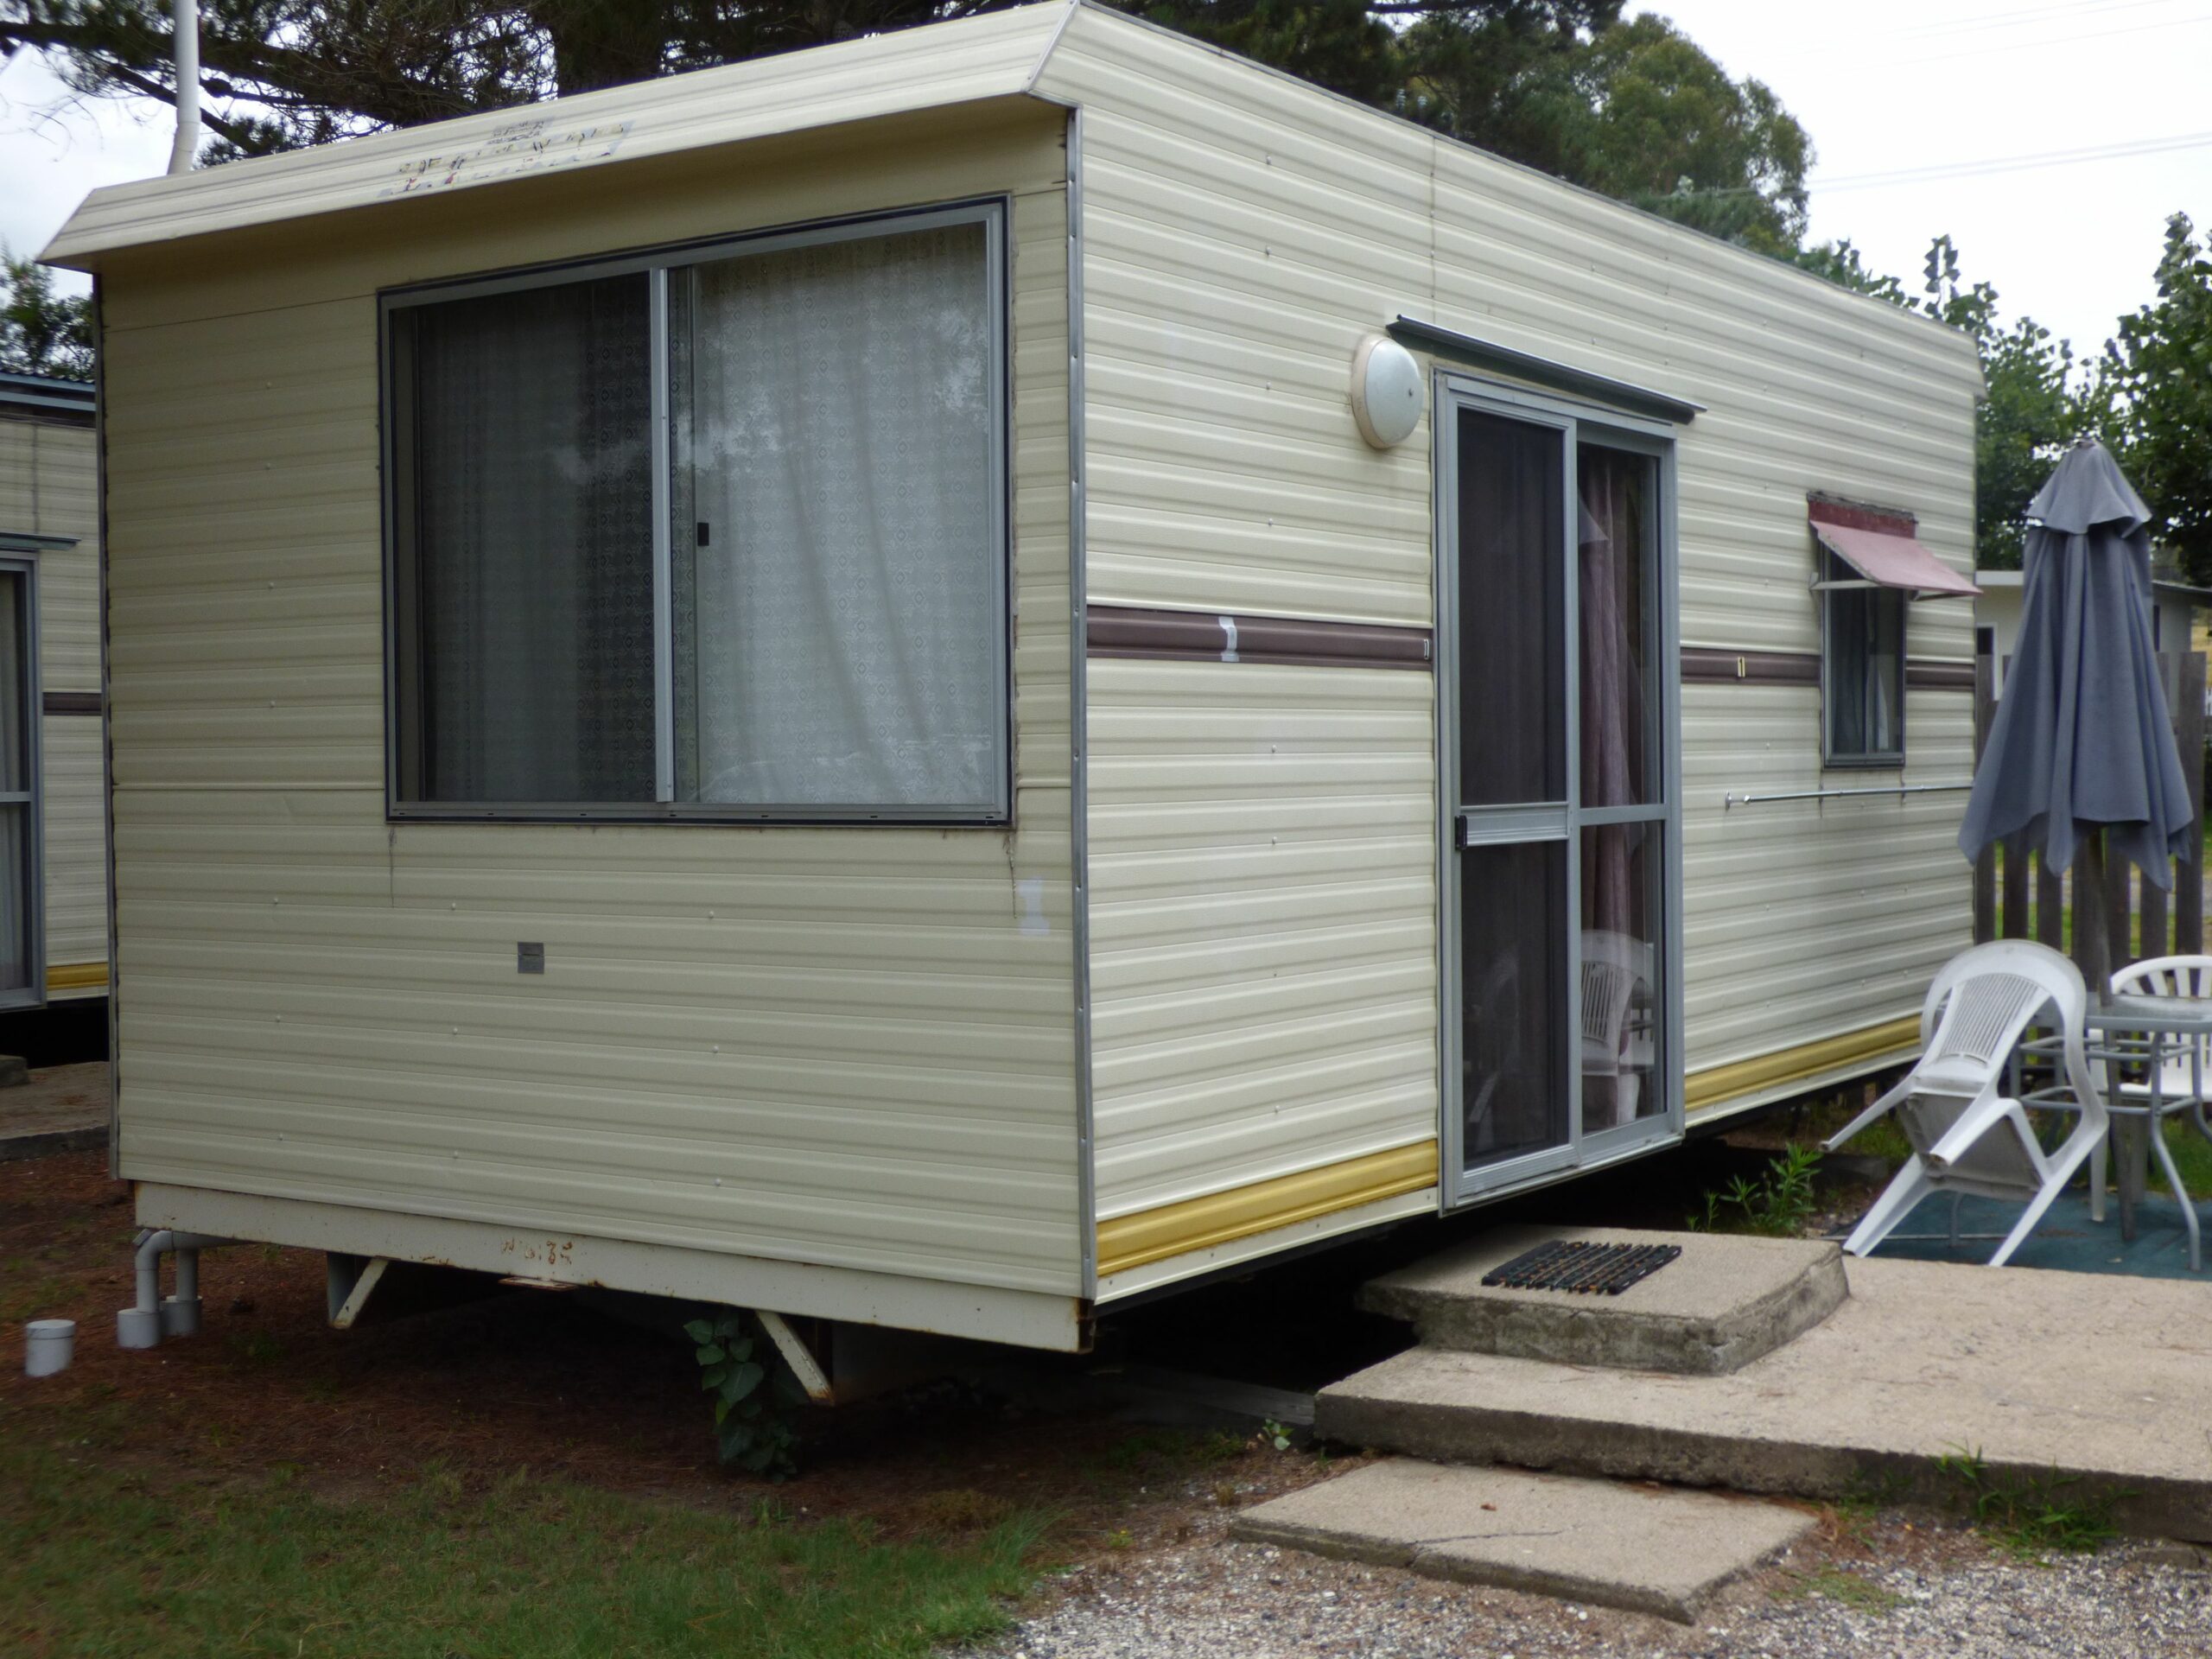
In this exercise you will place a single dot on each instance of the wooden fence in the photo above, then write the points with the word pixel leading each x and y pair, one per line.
pixel 2016 898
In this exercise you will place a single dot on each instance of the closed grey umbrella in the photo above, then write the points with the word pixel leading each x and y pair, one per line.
pixel 2083 740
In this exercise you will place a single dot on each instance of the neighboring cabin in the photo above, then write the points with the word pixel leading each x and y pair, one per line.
pixel 800 684
pixel 53 935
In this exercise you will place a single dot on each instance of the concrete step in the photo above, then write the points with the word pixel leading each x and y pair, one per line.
pixel 1722 1304
pixel 2102 1383
pixel 1647 1549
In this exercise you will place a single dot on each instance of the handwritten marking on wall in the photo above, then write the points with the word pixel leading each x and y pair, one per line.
pixel 516 147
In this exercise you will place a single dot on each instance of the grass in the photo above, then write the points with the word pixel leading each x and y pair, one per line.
pixel 1779 1204
pixel 95 1561
pixel 2192 1157
pixel 1846 1589
pixel 2034 1516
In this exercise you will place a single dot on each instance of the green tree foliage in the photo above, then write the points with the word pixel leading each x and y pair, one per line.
pixel 1631 108
pixel 2030 410
pixel 42 332
pixel 1658 123
pixel 2151 399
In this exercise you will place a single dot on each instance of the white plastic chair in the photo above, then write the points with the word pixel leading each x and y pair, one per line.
pixel 1967 1135
pixel 1615 1030
pixel 2184 1077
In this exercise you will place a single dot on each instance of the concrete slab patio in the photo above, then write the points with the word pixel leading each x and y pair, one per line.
pixel 2103 1382
pixel 62 1109
pixel 1719 1305
pixel 1645 1549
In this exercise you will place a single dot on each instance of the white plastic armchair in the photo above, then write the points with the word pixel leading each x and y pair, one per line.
pixel 1616 1033
pixel 1967 1135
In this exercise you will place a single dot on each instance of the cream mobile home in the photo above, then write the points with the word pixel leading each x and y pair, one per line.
pixel 53 816
pixel 945 679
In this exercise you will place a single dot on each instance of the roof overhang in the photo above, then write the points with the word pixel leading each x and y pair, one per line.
pixel 15 541
pixel 990 56
pixel 46 393
pixel 1456 347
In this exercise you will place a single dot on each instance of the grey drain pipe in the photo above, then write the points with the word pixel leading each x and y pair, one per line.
pixel 145 1324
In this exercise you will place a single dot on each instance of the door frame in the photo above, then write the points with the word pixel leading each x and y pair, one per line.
pixel 1574 418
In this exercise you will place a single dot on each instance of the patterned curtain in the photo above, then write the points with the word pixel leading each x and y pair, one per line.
pixel 836 586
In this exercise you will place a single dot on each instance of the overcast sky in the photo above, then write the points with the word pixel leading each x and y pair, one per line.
pixel 1885 86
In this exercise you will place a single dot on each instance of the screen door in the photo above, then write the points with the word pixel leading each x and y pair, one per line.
pixel 1555 723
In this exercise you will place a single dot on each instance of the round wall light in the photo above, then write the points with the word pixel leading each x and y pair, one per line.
pixel 1386 391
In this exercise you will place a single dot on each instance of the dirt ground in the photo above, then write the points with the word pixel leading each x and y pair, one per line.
pixel 539 1381
pixel 534 1379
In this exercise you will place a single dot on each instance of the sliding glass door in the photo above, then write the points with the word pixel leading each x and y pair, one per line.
pixel 1555 723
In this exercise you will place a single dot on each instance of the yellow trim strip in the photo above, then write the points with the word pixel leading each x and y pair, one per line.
pixel 1150 1236
pixel 1723 1083
pixel 77 977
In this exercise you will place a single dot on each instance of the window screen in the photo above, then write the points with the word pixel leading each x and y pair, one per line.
pixel 763 576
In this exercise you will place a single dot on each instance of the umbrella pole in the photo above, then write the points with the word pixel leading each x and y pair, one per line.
pixel 2092 937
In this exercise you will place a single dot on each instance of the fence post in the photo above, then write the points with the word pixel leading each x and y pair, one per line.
pixel 1985 863
pixel 2188 738
pixel 2051 906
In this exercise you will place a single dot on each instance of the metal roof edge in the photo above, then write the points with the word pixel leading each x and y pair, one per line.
pixel 985 56
pixel 45 392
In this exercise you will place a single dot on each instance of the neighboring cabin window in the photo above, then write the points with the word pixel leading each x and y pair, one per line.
pixel 22 892
pixel 761 577
pixel 1863 668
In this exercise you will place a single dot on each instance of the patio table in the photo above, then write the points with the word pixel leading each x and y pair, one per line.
pixel 2135 1029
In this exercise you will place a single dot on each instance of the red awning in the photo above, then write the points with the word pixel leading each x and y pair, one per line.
pixel 1891 559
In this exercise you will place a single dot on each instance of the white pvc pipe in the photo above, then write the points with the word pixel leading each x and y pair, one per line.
pixel 185 28
pixel 48 1346
pixel 151 1319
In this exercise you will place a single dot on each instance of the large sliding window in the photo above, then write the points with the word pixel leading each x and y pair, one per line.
pixel 720 533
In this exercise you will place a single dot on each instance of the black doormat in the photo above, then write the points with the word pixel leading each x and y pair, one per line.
pixel 1581 1265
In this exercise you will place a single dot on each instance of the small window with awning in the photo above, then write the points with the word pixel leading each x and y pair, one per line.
pixel 1869 568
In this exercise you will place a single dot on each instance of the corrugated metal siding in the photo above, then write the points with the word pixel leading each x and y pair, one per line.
pixel 49 486
pixel 76 845
pixel 834 1046
pixel 1262 922
pixel 1242 232
pixel 985 57
pixel 1806 919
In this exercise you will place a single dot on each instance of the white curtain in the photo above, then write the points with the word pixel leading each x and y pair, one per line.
pixel 837 614
pixel 533 536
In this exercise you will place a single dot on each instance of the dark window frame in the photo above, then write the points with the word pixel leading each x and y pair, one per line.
pixel 401 626
pixel 1832 568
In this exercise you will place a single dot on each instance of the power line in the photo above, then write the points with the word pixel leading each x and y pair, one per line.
pixel 2025 18
pixel 1991 164
pixel 2056 40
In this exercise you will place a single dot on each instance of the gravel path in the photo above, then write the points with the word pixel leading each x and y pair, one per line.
pixel 1886 1588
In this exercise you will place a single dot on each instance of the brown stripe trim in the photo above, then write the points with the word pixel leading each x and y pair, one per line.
pixel 71 702
pixel 1716 665
pixel 1938 676
pixel 1213 637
